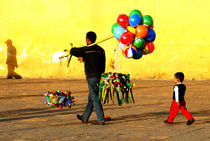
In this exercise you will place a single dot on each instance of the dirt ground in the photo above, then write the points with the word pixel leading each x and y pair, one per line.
pixel 23 116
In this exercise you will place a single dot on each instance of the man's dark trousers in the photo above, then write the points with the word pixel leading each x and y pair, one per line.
pixel 93 101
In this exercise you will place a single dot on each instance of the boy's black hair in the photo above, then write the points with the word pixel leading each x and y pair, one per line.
pixel 92 36
pixel 180 76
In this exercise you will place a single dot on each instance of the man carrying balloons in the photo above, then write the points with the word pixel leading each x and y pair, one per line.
pixel 135 34
pixel 94 59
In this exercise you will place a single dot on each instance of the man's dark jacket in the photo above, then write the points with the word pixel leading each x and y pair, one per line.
pixel 94 59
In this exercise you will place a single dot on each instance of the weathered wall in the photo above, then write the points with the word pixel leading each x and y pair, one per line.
pixel 39 28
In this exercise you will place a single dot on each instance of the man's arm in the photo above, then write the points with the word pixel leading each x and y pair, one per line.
pixel 78 52
pixel 104 66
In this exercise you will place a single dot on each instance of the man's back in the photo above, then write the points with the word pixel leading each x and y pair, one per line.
pixel 94 59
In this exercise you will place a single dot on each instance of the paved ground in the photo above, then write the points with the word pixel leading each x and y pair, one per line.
pixel 23 116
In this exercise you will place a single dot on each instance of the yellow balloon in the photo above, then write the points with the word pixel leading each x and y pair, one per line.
pixel 131 29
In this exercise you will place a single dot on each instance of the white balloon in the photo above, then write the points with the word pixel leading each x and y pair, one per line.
pixel 56 55
pixel 122 46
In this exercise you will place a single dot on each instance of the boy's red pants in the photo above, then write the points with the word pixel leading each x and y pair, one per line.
pixel 175 109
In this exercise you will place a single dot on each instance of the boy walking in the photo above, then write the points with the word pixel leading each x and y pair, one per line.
pixel 178 101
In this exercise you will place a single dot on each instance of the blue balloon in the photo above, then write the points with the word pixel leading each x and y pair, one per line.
pixel 118 31
pixel 138 55
pixel 151 35
pixel 134 20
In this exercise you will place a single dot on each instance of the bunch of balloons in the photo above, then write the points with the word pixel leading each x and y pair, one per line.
pixel 135 34
pixel 115 84
pixel 59 99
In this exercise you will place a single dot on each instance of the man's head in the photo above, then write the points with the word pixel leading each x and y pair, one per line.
pixel 9 42
pixel 178 77
pixel 90 37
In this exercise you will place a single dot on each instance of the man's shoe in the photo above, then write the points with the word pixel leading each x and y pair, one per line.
pixel 189 122
pixel 80 118
pixel 166 122
pixel 101 123
pixel 98 123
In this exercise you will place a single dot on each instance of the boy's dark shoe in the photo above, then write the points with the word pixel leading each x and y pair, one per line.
pixel 166 122
pixel 80 118
pixel 189 122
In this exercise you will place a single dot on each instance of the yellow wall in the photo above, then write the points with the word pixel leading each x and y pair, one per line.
pixel 39 28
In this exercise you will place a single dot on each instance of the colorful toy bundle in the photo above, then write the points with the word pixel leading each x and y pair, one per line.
pixel 135 34
pixel 59 99
pixel 115 84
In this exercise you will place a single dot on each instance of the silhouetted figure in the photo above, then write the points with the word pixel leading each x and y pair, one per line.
pixel 11 61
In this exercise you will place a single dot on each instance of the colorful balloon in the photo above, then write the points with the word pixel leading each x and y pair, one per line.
pixel 132 30
pixel 129 52
pixel 138 54
pixel 135 12
pixel 115 25
pixel 135 34
pixel 122 46
pixel 134 20
pixel 118 32
pixel 126 38
pixel 141 31
pixel 123 20
pixel 147 20
pixel 148 48
pixel 151 35
pixel 138 43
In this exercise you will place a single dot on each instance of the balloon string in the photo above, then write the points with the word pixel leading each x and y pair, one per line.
pixel 118 58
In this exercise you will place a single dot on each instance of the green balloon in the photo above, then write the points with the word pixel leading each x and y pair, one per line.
pixel 147 20
pixel 135 12
pixel 115 25
pixel 139 43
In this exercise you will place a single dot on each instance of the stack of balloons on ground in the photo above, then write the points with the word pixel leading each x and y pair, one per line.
pixel 59 99
pixel 135 34
pixel 116 84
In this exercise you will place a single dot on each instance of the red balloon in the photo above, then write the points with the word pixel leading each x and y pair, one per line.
pixel 123 20
pixel 148 48
pixel 126 38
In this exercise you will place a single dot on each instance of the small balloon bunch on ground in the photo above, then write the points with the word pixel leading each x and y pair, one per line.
pixel 116 85
pixel 135 34
pixel 59 99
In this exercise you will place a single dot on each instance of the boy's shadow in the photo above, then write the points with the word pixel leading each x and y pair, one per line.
pixel 159 115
